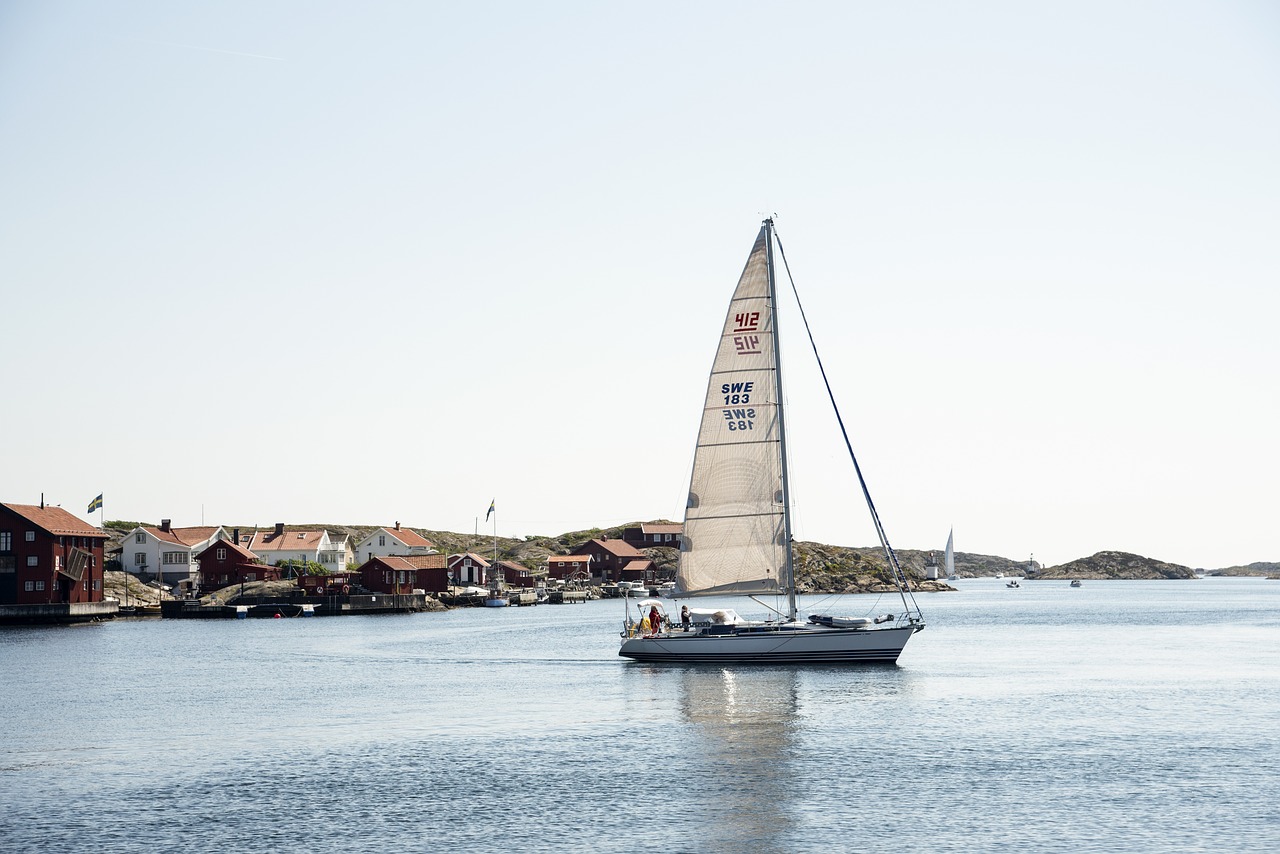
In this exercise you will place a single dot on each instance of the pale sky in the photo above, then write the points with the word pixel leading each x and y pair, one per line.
pixel 366 262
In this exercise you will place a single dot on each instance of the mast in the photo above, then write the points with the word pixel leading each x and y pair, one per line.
pixel 789 564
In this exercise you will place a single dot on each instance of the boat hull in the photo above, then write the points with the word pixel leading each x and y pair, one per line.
pixel 782 645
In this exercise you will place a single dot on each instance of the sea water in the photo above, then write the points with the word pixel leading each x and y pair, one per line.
pixel 1118 716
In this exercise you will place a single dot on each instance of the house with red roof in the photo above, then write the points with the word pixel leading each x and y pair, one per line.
pixel 608 557
pixel 405 573
pixel 569 567
pixel 49 557
pixel 166 553
pixel 468 568
pixel 514 574
pixel 226 562
pixel 279 545
pixel 654 534
pixel 393 541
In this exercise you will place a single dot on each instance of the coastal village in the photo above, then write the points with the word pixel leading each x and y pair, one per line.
pixel 57 567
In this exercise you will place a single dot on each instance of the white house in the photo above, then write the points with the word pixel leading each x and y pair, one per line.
pixel 278 545
pixel 385 542
pixel 166 552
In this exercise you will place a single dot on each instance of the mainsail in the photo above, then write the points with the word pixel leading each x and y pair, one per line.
pixel 735 537
pixel 951 556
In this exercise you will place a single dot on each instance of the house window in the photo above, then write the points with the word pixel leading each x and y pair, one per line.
pixel 6 541
pixel 139 537
pixel 29 586
pixel 251 576
pixel 175 557
pixel 139 558
pixel 33 560
pixel 97 584
pixel 222 554
pixel 382 540
pixel 39 586
pixel 31 536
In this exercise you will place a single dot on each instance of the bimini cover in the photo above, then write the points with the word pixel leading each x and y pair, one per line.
pixel 715 617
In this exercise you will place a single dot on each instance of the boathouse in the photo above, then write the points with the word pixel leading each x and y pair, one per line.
pixel 468 568
pixel 50 565
pixel 569 567
pixel 405 573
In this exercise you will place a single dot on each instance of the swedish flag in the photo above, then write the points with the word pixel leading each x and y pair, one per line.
pixel 490 513
pixel 96 504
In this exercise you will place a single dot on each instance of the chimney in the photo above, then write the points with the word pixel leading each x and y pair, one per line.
pixel 236 534
pixel 279 529
pixel 166 524
pixel 397 526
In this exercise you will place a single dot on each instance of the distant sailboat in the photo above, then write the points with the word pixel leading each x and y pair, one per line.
pixel 497 596
pixel 949 560
pixel 737 525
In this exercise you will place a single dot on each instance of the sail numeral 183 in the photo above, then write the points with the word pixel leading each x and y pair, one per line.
pixel 740 419
pixel 736 393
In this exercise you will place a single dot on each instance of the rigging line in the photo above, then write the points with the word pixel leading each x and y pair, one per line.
pixel 892 556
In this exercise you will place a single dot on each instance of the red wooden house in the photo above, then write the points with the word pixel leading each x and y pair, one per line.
pixel 640 569
pixel 653 534
pixel 569 567
pixel 225 563
pixel 608 557
pixel 514 574
pixel 468 568
pixel 48 556
pixel 405 573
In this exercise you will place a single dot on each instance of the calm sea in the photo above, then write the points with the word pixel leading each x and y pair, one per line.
pixel 1119 716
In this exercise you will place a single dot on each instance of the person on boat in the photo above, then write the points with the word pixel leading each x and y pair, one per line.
pixel 655 620
pixel 684 617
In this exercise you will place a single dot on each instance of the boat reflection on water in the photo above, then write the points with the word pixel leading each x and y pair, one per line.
pixel 741 729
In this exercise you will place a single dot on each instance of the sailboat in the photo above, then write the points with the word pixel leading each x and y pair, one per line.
pixel 737 526
pixel 950 560
pixel 497 596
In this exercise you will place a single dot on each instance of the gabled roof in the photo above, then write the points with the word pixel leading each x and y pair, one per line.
pixel 513 566
pixel 413 562
pixel 392 562
pixel 663 528
pixel 638 564
pixel 456 558
pixel 182 536
pixel 615 547
pixel 410 538
pixel 425 561
pixel 55 520
pixel 569 558
pixel 236 549
pixel 289 541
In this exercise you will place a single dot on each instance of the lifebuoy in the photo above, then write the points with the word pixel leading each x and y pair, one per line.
pixel 346 588
pixel 320 590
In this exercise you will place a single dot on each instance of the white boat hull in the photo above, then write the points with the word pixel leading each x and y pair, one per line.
pixel 795 644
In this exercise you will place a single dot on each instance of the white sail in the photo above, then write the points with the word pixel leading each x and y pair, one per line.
pixel 734 534
pixel 950 558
